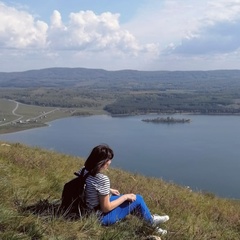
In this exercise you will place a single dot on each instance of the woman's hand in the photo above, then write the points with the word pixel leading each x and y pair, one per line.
pixel 130 197
pixel 114 192
pixel 107 206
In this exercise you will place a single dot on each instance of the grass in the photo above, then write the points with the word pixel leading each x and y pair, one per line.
pixel 33 178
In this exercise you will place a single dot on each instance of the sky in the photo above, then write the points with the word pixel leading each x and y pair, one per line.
pixel 120 34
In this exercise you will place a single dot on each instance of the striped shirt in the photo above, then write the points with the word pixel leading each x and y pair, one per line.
pixel 96 186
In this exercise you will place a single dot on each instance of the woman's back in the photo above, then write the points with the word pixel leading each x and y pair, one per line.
pixel 95 186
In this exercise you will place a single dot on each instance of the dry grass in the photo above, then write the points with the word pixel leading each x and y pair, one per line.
pixel 34 177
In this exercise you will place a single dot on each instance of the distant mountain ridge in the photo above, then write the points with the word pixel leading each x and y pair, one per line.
pixel 71 77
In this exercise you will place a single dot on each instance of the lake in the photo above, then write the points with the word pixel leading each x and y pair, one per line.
pixel 203 154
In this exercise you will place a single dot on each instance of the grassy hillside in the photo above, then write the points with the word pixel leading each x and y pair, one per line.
pixel 35 177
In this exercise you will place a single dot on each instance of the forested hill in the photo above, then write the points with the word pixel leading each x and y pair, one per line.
pixel 74 77
pixel 126 91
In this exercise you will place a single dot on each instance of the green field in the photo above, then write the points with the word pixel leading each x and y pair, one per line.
pixel 29 116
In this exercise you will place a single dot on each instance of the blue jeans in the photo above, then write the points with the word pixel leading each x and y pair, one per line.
pixel 138 207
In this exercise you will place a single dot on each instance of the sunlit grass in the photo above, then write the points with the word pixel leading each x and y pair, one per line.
pixel 35 177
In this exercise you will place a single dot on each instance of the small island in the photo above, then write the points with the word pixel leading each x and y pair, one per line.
pixel 167 120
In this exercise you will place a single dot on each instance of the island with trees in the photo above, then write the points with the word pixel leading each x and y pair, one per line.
pixel 167 120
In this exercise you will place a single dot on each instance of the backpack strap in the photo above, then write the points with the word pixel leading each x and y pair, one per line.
pixel 81 174
pixel 84 176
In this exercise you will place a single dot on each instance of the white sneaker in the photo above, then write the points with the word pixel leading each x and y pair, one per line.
pixel 159 219
pixel 161 231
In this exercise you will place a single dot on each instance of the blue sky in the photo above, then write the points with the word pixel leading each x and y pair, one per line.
pixel 114 35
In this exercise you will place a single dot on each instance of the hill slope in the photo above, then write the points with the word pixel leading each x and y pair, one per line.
pixel 126 92
pixel 32 177
pixel 74 77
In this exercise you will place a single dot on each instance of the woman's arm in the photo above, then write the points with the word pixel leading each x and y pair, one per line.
pixel 114 192
pixel 107 206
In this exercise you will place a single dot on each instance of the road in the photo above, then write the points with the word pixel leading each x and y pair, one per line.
pixel 21 116
pixel 14 113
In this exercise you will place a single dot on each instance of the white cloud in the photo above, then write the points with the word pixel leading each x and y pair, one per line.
pixel 87 31
pixel 85 39
pixel 166 34
pixel 196 27
pixel 219 38
pixel 18 29
pixel 222 10
pixel 166 21
pixel 217 30
pixel 56 20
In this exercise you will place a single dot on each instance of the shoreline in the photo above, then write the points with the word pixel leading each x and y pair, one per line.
pixel 12 129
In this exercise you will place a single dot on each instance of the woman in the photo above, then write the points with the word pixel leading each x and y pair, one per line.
pixel 110 205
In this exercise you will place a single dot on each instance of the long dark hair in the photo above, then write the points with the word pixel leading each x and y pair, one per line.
pixel 97 158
